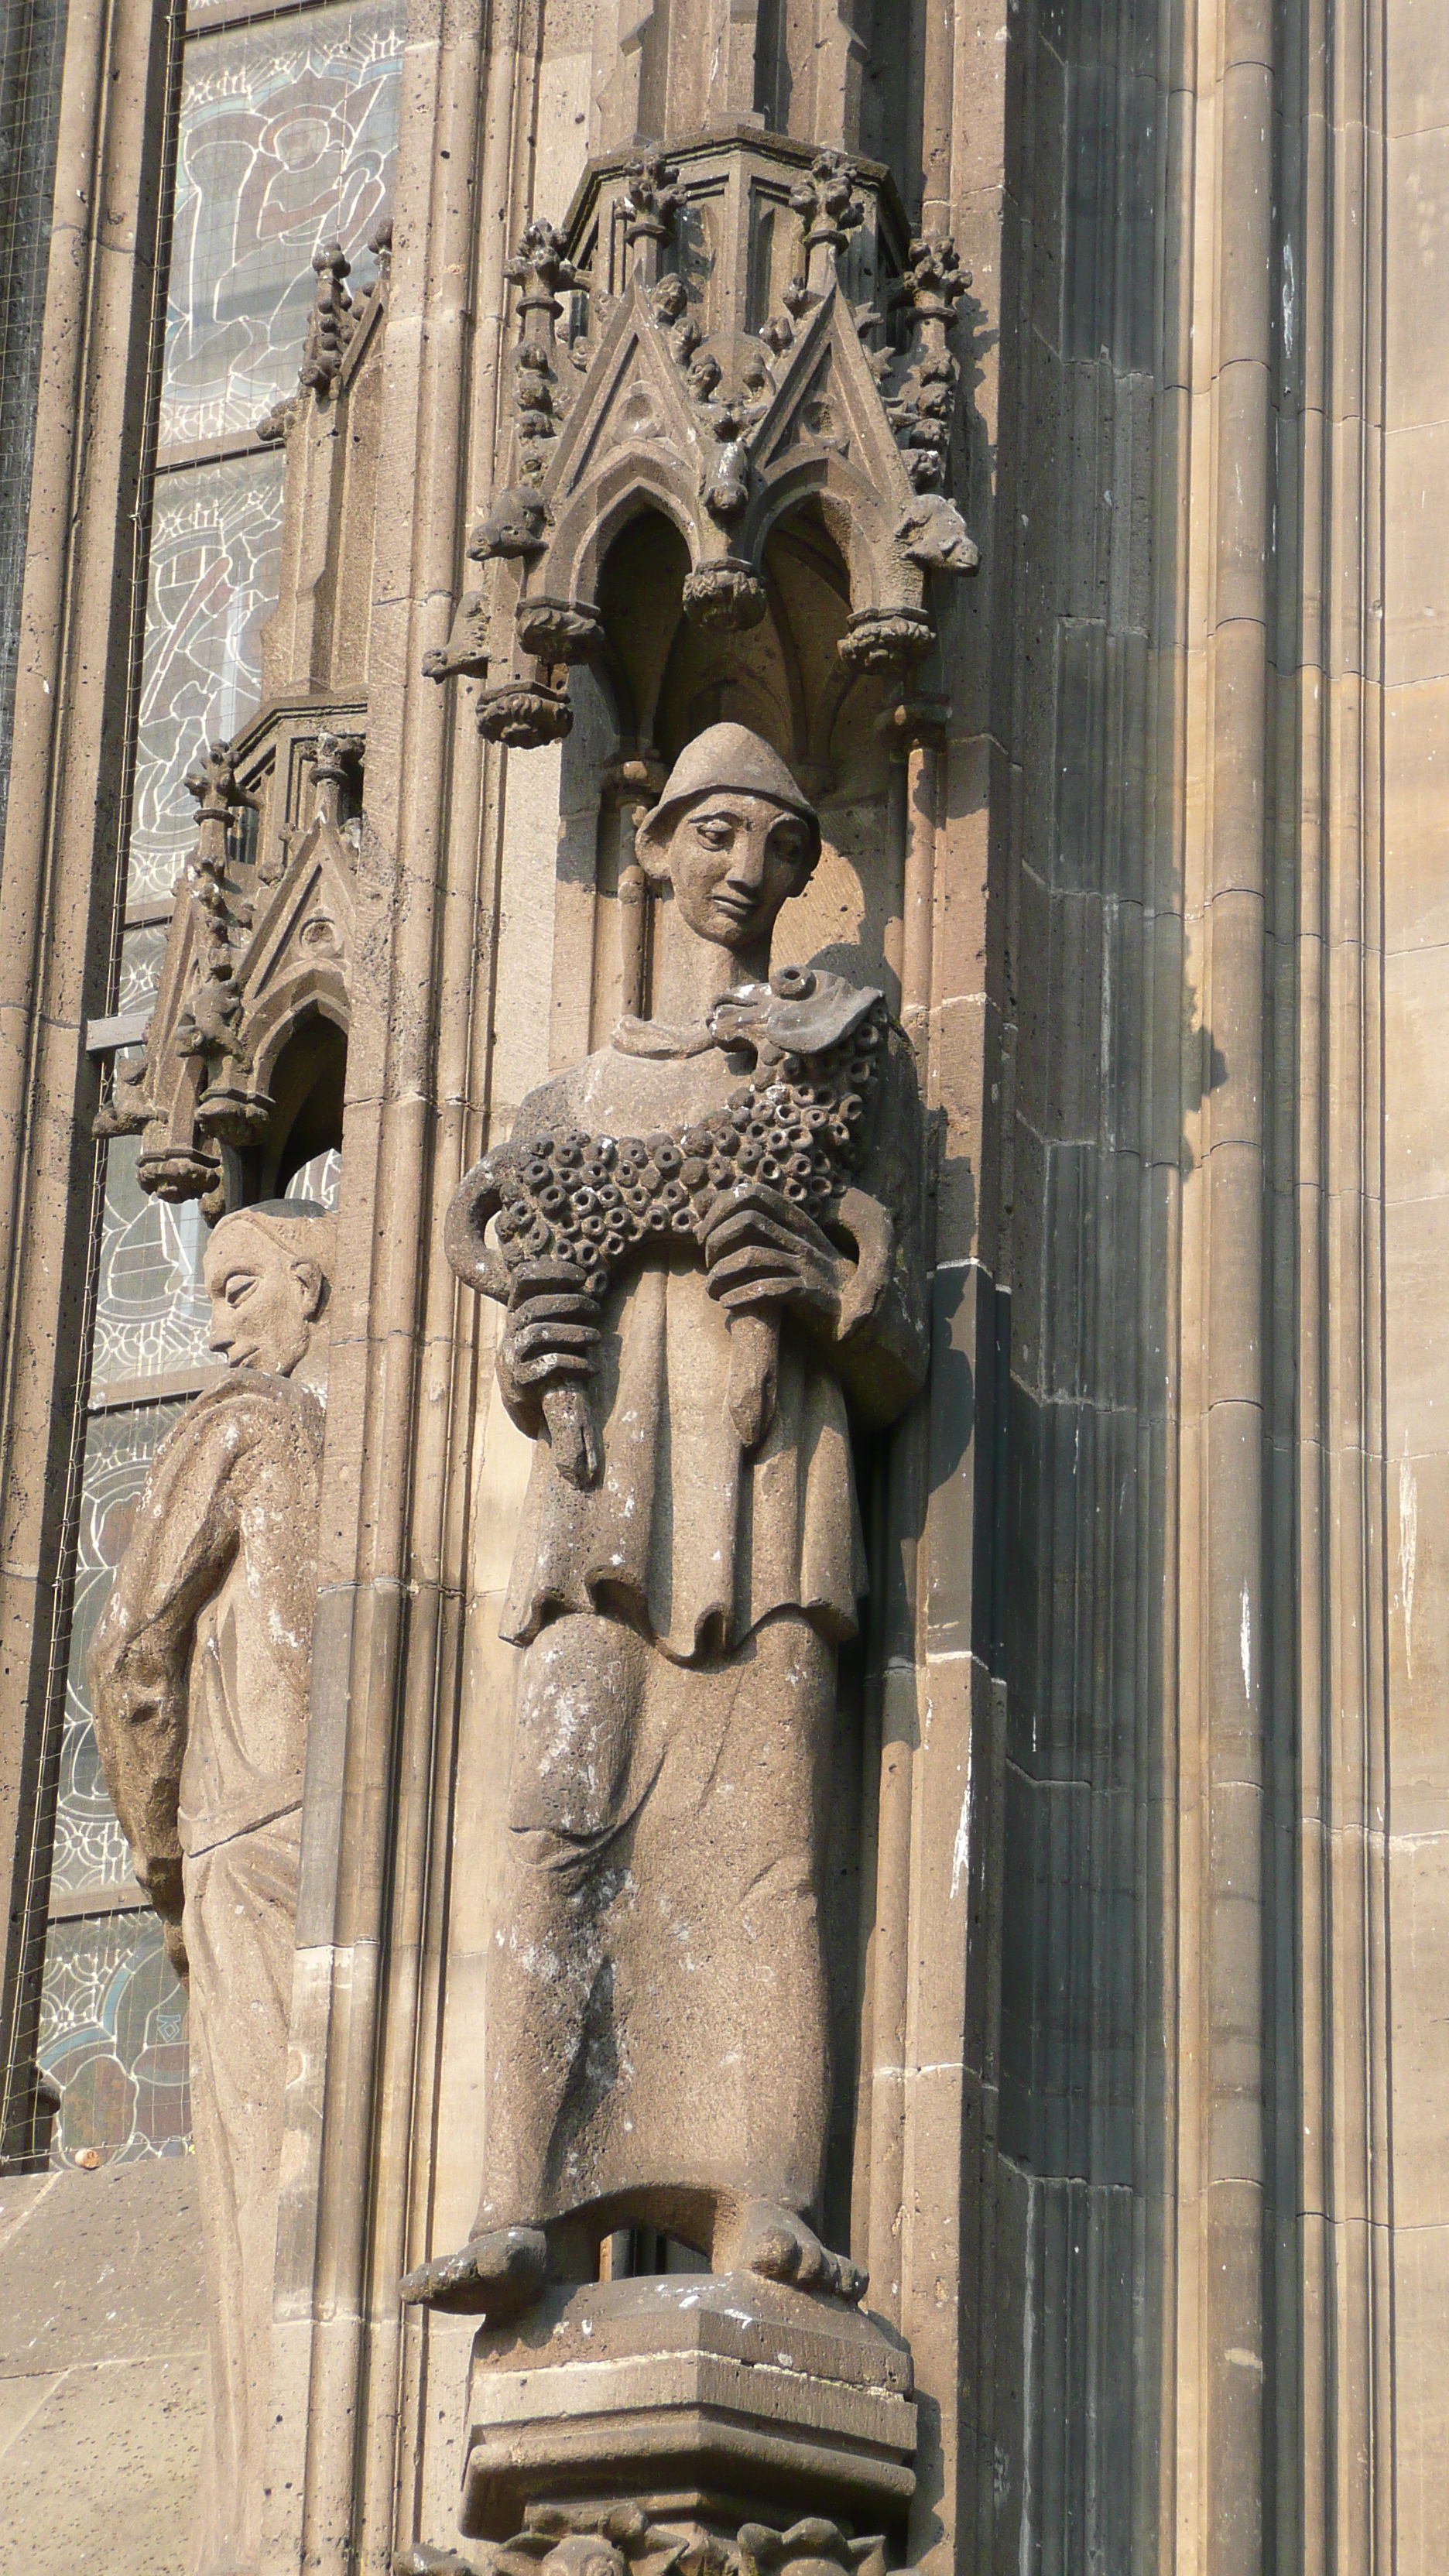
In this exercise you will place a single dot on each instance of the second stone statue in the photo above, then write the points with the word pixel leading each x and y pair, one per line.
pixel 707 1237
pixel 200 1670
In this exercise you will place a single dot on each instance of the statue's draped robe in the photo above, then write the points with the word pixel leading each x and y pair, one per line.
pixel 659 2024
pixel 199 1676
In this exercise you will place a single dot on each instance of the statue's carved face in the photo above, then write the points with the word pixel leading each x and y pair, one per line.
pixel 262 1299
pixel 733 860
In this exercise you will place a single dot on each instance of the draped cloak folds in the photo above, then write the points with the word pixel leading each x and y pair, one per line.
pixel 657 1914
pixel 199 1674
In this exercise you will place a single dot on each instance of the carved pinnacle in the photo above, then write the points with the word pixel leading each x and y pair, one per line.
pixel 212 782
pixel 333 319
pixel 541 269
pixel 651 200
pixel 933 284
pixel 830 211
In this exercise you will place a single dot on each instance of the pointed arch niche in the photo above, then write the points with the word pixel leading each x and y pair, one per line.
pixel 658 681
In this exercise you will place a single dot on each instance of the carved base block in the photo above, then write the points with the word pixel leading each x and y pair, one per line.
pixel 731 2387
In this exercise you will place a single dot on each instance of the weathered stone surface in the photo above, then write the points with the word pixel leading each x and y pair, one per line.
pixel 199 1673
pixel 688 1559
pixel 102 2328
pixel 733 2385
pixel 112 2449
pixel 99 2266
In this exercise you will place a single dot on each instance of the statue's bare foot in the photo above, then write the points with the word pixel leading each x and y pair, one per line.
pixel 494 2276
pixel 777 2243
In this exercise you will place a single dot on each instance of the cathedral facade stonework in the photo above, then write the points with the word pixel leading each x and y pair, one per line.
pixel 724 1527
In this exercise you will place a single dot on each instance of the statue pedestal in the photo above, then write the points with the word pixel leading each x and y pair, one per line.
pixel 720 2400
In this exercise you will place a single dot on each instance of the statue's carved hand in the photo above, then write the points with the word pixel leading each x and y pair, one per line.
pixel 762 1252
pixel 551 1338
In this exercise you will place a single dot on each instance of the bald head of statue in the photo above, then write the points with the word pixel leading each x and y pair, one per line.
pixel 732 834
pixel 268 1270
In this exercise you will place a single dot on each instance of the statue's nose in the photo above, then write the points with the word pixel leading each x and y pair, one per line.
pixel 747 864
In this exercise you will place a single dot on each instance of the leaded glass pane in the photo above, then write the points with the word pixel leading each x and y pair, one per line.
pixel 152 1313
pixel 320 1180
pixel 113 2036
pixel 288 139
pixel 216 534
pixel 90 1849
pixel 143 951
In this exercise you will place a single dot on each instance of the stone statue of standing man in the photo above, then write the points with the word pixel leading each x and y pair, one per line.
pixel 709 1247
pixel 199 1676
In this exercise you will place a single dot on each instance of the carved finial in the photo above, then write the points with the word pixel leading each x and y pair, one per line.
pixel 333 319
pixel 933 285
pixel 934 281
pixel 830 211
pixel 212 782
pixel 333 764
pixel 651 201
pixel 209 1023
pixel 541 269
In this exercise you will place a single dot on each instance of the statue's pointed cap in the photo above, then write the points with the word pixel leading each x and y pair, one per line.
pixel 725 757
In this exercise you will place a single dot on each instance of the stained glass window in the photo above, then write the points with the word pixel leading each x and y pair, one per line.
pixel 319 1180
pixel 152 1315
pixel 216 537
pixel 288 135
pixel 112 2011
pixel 143 953
pixel 113 2037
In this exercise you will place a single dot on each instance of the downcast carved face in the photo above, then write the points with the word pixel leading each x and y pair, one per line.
pixel 733 860
pixel 262 1299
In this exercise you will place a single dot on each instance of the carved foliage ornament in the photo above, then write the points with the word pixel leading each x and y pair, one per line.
pixel 623 2540
pixel 677 406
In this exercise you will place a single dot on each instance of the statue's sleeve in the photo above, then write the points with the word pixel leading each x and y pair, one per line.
pixel 549 1107
pixel 178 1553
